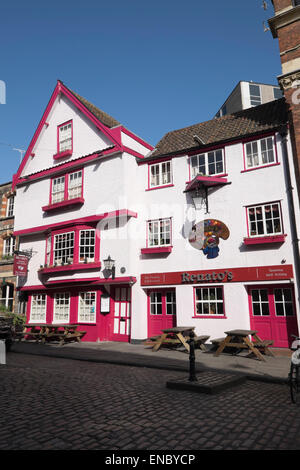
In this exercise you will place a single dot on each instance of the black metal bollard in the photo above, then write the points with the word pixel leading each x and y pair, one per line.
pixel 191 342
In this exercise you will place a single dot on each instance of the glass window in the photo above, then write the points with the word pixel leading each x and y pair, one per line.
pixel 87 246
pixel 260 302
pixel 87 307
pixel 264 220
pixel 260 153
pixel 64 248
pixel 159 232
pixel 160 174
pixel 75 185
pixel 171 303
pixel 65 137
pixel 10 206
pixel 7 296
pixel 61 308
pixel 38 308
pixel 207 164
pixel 209 301
pixel 277 91
pixel 283 302
pixel 255 97
pixel 156 303
pixel 58 189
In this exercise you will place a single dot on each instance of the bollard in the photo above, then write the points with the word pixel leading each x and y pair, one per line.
pixel 2 352
pixel 192 377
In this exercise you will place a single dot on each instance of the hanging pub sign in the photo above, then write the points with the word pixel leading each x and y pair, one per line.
pixel 205 236
pixel 20 265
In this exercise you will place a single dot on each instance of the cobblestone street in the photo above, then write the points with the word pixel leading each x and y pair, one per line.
pixel 51 403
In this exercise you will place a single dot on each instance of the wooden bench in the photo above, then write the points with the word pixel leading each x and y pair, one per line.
pixel 200 342
pixel 263 345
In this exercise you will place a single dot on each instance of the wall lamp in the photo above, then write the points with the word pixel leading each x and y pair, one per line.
pixel 109 265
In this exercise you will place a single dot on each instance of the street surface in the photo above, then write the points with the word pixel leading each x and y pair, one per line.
pixel 63 404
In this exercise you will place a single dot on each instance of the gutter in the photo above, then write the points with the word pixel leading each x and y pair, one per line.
pixel 289 189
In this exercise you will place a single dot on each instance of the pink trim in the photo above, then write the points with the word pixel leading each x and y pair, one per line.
pixel 261 166
pixel 207 181
pixel 135 137
pixel 60 88
pixel 265 239
pixel 58 205
pixel 163 249
pixel 67 153
pixel 132 152
pixel 91 281
pixel 71 223
pixel 72 165
pixel 159 187
pixel 71 267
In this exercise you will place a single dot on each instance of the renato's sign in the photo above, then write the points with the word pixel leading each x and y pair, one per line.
pixel 255 273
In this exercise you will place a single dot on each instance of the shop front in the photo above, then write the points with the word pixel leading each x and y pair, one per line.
pixel 102 310
pixel 261 298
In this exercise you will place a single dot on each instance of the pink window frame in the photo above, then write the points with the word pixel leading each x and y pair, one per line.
pixel 213 316
pixel 76 255
pixel 160 186
pixel 265 235
pixel 66 189
pixel 205 151
pixel 163 292
pixel 256 139
pixel 159 247
pixel 65 153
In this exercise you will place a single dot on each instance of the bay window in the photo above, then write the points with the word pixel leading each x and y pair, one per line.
pixel 87 245
pixel 207 164
pixel 63 248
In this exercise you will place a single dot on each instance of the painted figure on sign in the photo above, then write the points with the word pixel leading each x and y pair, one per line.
pixel 206 236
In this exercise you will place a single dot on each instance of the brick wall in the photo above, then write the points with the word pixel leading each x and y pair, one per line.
pixel 281 4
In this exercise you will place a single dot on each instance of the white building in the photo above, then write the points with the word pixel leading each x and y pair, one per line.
pixel 200 228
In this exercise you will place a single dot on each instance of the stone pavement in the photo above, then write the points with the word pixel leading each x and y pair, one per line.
pixel 52 403
pixel 273 369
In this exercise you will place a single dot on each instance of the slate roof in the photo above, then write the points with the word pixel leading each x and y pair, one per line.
pixel 263 118
pixel 105 118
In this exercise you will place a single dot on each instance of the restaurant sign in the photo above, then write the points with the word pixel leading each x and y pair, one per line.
pixel 20 265
pixel 259 273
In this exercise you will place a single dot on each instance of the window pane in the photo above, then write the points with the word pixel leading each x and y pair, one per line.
pixel 65 137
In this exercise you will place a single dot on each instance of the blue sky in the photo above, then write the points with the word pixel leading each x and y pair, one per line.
pixel 154 66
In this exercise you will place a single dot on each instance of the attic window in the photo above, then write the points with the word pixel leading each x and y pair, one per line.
pixel 64 139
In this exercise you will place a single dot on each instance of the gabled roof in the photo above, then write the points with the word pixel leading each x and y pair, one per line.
pixel 263 118
pixel 105 118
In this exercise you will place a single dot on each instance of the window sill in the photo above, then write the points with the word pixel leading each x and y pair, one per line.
pixel 71 267
pixel 157 249
pixel 59 205
pixel 260 167
pixel 160 187
pixel 214 317
pixel 265 239
pixel 60 155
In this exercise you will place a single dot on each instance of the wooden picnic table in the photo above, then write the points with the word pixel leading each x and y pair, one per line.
pixel 175 336
pixel 240 340
pixel 50 332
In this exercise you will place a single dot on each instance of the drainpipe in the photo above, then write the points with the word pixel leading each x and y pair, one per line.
pixel 289 189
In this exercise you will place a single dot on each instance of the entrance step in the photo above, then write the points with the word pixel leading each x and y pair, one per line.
pixel 208 382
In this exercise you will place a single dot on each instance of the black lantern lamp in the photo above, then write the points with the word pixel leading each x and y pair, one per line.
pixel 109 265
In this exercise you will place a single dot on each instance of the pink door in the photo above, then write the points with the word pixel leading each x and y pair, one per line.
pixel 161 310
pixel 120 323
pixel 273 313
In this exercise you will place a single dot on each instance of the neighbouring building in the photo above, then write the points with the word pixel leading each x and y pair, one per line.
pixel 248 94
pixel 8 297
pixel 199 228
pixel 285 26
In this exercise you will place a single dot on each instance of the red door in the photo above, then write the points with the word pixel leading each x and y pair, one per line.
pixel 273 313
pixel 161 310
pixel 120 314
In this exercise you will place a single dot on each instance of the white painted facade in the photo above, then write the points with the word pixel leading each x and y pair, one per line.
pixel 119 181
